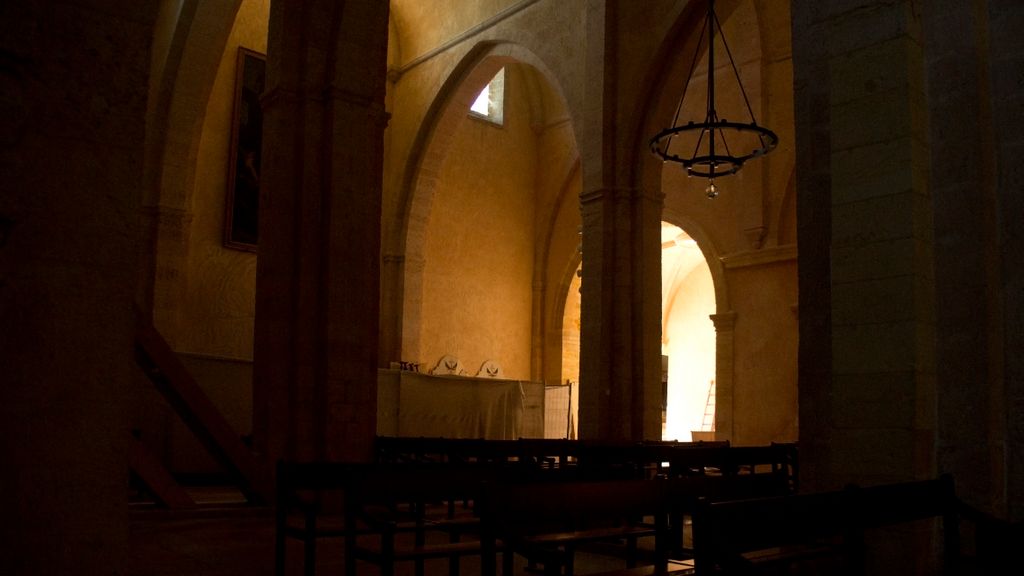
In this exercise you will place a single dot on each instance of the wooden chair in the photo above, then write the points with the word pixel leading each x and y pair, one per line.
pixel 412 512
pixel 307 507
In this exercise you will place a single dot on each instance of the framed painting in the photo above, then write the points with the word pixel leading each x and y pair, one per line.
pixel 241 219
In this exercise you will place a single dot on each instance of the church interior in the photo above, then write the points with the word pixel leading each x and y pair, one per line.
pixel 248 231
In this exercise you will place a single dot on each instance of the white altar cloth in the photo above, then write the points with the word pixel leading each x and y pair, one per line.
pixel 411 404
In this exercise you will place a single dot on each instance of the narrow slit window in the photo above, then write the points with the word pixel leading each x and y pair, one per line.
pixel 490 103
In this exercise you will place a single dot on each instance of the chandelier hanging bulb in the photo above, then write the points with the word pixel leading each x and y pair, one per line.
pixel 711 190
pixel 712 155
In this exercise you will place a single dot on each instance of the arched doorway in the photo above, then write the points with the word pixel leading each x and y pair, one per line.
pixel 688 336
pixel 571 320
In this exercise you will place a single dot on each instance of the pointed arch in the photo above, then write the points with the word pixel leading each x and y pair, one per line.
pixel 550 328
pixel 405 241
pixel 190 38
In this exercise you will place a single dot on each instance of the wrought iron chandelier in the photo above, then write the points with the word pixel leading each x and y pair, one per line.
pixel 712 154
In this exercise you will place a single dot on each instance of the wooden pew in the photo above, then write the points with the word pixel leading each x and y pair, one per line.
pixel 908 512
pixel 779 459
pixel 823 532
pixel 547 521
pixel 742 536
pixel 687 493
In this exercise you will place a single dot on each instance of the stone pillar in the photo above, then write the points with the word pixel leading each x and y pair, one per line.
pixel 538 328
pixel 73 88
pixel 966 250
pixel 725 345
pixel 620 336
pixel 976 124
pixel 620 349
pixel 867 388
pixel 1005 52
pixel 392 285
pixel 318 277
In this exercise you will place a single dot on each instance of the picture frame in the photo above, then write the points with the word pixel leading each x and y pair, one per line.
pixel 241 213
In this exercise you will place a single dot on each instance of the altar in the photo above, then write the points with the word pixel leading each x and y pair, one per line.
pixel 413 404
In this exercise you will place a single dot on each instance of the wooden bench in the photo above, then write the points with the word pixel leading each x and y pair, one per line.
pixel 687 493
pixel 823 531
pixel 546 521
pixel 907 513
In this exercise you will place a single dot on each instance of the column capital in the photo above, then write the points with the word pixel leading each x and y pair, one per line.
pixel 724 321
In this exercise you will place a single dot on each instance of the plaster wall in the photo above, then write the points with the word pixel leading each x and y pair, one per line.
pixel 477 282
pixel 214 292
pixel 425 25
pixel 549 32
pixel 764 385
pixel 218 307
pixel 689 342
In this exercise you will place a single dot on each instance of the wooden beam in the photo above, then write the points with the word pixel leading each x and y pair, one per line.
pixel 198 412
pixel 156 477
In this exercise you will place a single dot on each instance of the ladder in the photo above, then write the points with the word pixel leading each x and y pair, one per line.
pixel 708 424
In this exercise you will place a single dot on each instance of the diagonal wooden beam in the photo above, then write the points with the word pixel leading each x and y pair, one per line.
pixel 156 477
pixel 196 410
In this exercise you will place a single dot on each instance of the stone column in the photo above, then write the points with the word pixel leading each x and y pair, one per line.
pixel 318 276
pixel 392 285
pixel 73 88
pixel 725 346
pixel 867 387
pixel 976 124
pixel 620 336
pixel 620 352
pixel 1005 53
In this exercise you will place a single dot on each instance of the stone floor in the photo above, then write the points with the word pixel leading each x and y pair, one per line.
pixel 238 540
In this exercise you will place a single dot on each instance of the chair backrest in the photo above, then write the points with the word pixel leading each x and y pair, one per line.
pixel 902 503
pixel 417 483
pixel 519 508
pixel 724 529
pixel 304 485
pixel 685 492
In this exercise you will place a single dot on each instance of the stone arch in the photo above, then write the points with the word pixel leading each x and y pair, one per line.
pixel 182 78
pixel 722 319
pixel 663 84
pixel 447 111
pixel 785 217
pixel 552 349
pixel 711 254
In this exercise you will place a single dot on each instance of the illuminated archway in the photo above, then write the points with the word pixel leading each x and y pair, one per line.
pixel 688 336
